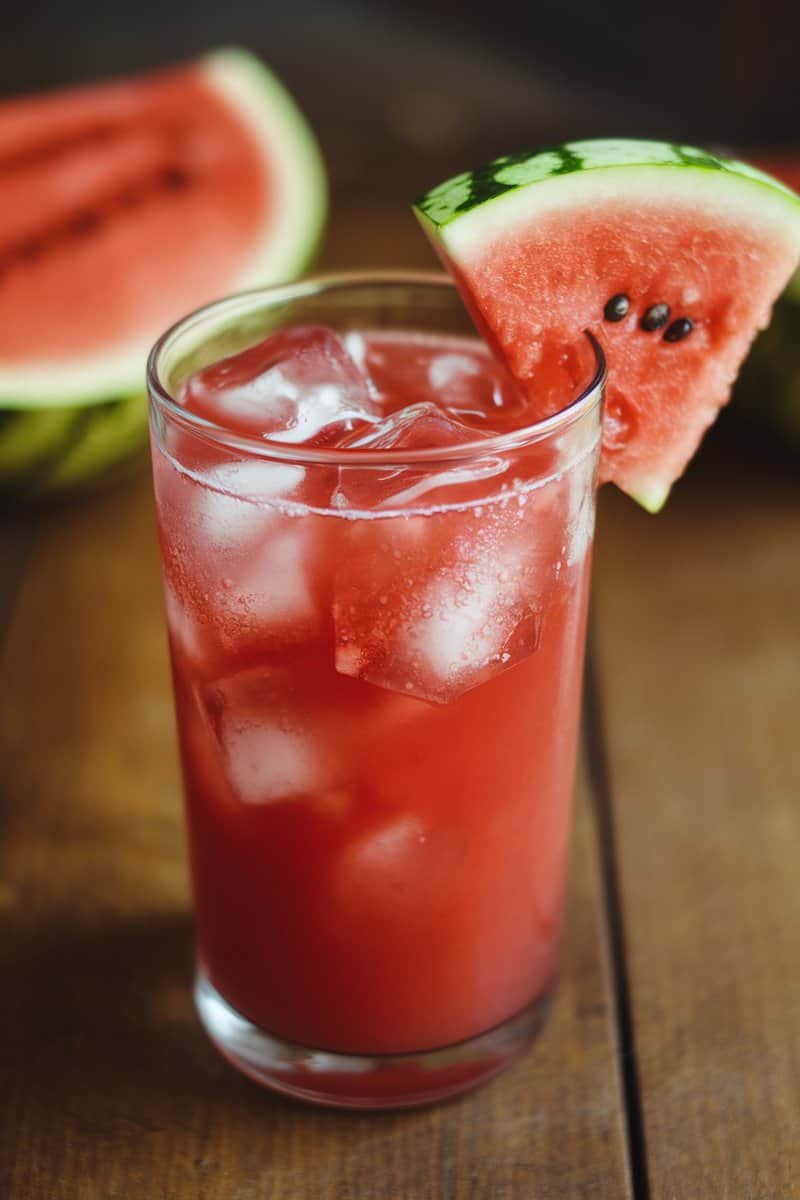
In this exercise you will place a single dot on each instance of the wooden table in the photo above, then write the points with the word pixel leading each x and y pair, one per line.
pixel 670 1068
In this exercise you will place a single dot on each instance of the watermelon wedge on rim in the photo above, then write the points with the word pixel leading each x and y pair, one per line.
pixel 671 256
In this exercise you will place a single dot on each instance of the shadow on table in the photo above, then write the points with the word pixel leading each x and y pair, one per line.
pixel 105 1010
pixel 101 1028
pixel 119 1084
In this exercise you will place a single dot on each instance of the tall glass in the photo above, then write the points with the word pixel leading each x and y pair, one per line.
pixel 377 703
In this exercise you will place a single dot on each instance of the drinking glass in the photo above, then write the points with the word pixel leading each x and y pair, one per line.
pixel 377 659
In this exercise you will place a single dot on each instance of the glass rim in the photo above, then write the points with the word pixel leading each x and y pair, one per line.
pixel 315 285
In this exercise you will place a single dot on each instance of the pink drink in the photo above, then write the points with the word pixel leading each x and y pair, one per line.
pixel 377 673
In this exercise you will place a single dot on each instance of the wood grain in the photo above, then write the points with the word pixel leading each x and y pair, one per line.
pixel 698 635
pixel 109 1087
pixel 16 535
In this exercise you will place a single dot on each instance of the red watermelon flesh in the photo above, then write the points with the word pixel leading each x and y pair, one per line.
pixel 106 194
pixel 125 205
pixel 538 259
pixel 694 375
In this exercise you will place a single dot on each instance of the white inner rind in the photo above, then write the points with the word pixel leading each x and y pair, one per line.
pixel 297 177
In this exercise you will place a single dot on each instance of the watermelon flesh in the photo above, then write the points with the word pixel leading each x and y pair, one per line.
pixel 125 205
pixel 105 188
pixel 540 246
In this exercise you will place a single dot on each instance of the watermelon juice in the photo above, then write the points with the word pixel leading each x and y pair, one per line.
pixel 376 582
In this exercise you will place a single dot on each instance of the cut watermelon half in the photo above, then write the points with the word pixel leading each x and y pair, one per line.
pixel 671 256
pixel 125 205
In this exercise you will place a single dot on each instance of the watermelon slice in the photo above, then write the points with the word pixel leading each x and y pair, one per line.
pixel 671 256
pixel 122 206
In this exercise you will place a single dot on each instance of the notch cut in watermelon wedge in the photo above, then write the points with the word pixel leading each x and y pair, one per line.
pixel 671 256
pixel 124 205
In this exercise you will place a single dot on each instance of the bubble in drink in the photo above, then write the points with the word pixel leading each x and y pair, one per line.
pixel 299 385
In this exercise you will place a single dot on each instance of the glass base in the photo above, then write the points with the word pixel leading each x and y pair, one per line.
pixel 365 1081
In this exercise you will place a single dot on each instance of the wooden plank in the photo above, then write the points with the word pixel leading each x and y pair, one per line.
pixel 16 535
pixel 698 638
pixel 109 1086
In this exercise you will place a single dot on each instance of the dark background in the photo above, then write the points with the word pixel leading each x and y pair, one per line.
pixel 408 90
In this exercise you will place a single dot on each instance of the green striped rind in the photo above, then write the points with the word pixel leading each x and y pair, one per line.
pixel 30 440
pixel 48 451
pixel 472 189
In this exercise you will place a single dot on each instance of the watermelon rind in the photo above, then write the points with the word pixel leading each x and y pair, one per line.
pixel 469 207
pixel 113 434
pixel 49 451
pixel 31 439
pixel 289 241
pixel 651 496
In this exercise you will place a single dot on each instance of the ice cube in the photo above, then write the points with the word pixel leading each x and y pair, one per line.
pixel 256 479
pixel 397 871
pixel 477 387
pixel 203 758
pixel 418 427
pixel 421 426
pixel 299 385
pixel 274 585
pixel 234 507
pixel 184 634
pixel 276 743
pixel 460 629
pixel 465 383
pixel 249 577
pixel 356 346
pixel 267 763
pixel 388 847
pixel 436 614
pixel 580 522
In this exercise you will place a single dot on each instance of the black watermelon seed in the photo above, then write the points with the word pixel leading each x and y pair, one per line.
pixel 617 307
pixel 655 318
pixel 678 330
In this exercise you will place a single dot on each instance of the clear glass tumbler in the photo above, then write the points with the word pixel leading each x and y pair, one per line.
pixel 377 659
